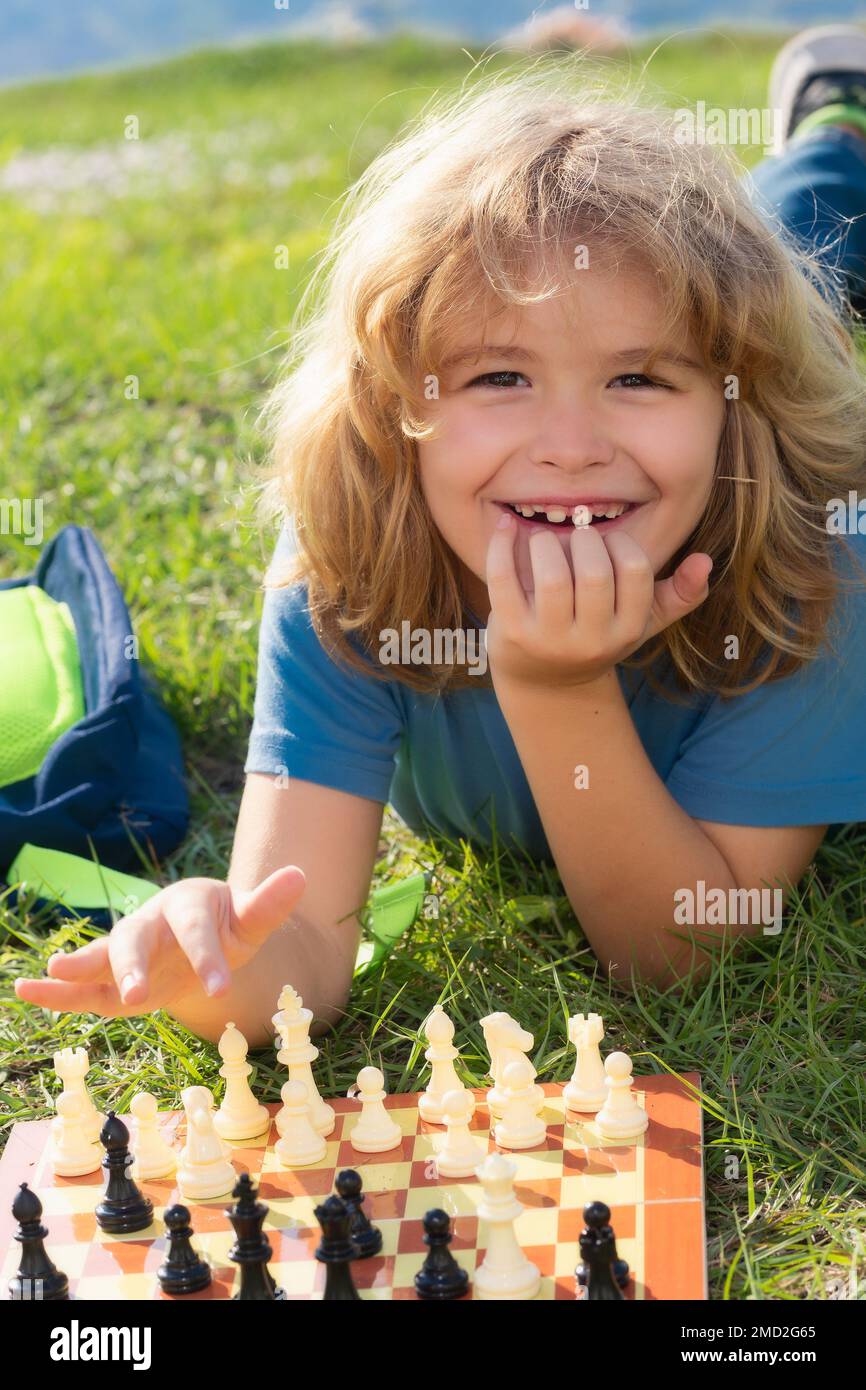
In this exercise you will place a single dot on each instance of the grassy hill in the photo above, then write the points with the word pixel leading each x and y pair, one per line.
pixel 154 258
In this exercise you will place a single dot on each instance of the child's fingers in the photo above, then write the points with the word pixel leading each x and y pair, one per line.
pixel 503 585
pixel 84 964
pixel 260 912
pixel 67 996
pixel 196 928
pixel 130 947
pixel 687 587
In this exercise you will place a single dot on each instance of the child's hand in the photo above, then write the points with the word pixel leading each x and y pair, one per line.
pixel 190 936
pixel 578 628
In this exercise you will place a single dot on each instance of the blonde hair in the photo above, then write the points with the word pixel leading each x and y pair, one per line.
pixel 445 221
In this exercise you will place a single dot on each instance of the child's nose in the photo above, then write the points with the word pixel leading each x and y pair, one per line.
pixel 570 434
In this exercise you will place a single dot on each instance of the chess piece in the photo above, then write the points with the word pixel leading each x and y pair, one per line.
pixel 38 1278
pixel 240 1115
pixel 439 1031
pixel 375 1131
pixel 365 1237
pixel 440 1276
pixel 299 1143
pixel 506 1042
pixel 124 1208
pixel 505 1271
pixel 73 1152
pixel 335 1251
pixel 520 1126
pixel 596 1215
pixel 586 1092
pixel 204 1170
pixel 458 1153
pixel 251 1249
pixel 620 1117
pixel 292 1023
pixel 184 1270
pixel 71 1064
pixel 598 1251
pixel 152 1156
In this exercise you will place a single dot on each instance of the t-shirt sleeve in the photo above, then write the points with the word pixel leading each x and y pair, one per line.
pixel 314 718
pixel 792 752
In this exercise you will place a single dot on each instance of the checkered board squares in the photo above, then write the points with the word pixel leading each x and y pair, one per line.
pixel 653 1186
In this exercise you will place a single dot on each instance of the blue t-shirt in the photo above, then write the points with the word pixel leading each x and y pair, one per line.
pixel 792 752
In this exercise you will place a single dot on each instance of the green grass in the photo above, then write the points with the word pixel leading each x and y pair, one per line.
pixel 175 284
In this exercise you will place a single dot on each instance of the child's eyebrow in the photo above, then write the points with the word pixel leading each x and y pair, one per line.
pixel 625 357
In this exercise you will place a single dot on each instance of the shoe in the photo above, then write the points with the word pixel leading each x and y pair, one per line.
pixel 824 66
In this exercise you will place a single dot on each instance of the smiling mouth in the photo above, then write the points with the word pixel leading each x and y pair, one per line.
pixel 567 518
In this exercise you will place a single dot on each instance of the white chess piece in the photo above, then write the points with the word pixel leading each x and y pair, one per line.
pixel 299 1143
pixel 506 1042
pixel 73 1151
pixel 204 1170
pixel 620 1117
pixel 72 1064
pixel 458 1152
pixel 292 1023
pixel 439 1031
pixel 505 1272
pixel 587 1089
pixel 375 1131
pixel 240 1115
pixel 152 1156
pixel 520 1127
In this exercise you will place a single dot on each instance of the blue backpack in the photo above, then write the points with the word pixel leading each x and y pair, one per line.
pixel 114 779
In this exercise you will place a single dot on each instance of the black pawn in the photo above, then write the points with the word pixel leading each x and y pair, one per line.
pixel 365 1237
pixel 184 1271
pixel 440 1276
pixel 598 1215
pixel 252 1249
pixel 124 1207
pixel 37 1278
pixel 598 1251
pixel 335 1251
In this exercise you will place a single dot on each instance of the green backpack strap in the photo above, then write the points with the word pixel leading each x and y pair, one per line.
pixel 87 887
pixel 391 910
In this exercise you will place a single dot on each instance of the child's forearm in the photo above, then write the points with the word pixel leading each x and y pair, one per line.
pixel 622 845
pixel 315 962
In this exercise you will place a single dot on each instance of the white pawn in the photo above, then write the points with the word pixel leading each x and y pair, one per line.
pixel 620 1117
pixel 240 1115
pixel 204 1169
pixel 505 1271
pixel 73 1151
pixel 587 1089
pixel 439 1031
pixel 293 1023
pixel 152 1156
pixel 375 1131
pixel 72 1064
pixel 299 1143
pixel 458 1153
pixel 520 1127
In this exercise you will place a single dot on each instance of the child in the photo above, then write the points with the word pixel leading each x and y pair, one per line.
pixel 560 370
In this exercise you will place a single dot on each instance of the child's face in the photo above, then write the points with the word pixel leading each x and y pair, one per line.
pixel 552 415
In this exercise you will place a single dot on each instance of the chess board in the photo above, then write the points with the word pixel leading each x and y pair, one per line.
pixel 653 1186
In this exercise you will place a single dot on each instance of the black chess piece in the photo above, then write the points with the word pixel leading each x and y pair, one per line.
pixel 598 1251
pixel 335 1250
pixel 440 1276
pixel 252 1249
pixel 184 1270
pixel 38 1278
pixel 597 1215
pixel 124 1207
pixel 365 1237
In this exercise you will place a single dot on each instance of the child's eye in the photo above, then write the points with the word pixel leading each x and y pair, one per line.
pixel 641 381
pixel 501 380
